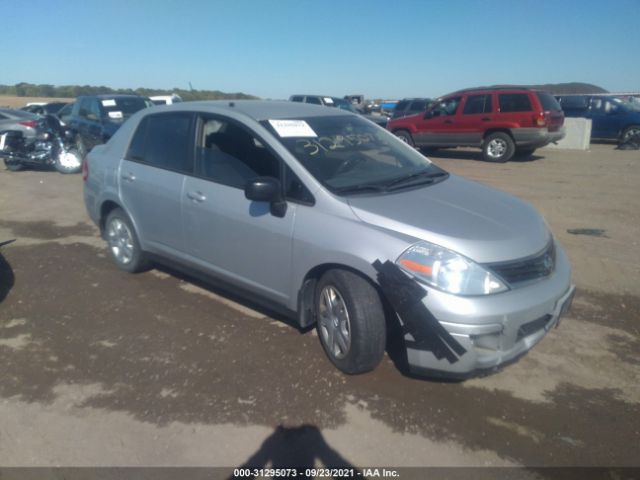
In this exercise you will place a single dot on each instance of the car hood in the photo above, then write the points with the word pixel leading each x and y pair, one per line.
pixel 481 223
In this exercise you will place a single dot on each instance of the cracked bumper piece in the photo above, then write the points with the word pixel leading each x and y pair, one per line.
pixel 494 330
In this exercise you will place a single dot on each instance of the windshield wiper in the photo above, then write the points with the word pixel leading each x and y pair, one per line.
pixel 416 178
pixel 363 187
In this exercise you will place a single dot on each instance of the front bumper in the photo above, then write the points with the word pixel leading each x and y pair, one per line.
pixel 498 329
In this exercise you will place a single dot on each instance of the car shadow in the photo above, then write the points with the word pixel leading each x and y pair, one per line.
pixel 217 287
pixel 473 155
pixel 7 277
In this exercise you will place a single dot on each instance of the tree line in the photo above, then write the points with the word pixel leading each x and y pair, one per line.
pixel 71 91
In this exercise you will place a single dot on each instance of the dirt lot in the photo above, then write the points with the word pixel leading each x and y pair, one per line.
pixel 105 368
pixel 19 102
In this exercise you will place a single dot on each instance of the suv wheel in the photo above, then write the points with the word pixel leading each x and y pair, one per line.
pixel 405 137
pixel 630 132
pixel 498 147
pixel 123 242
pixel 350 321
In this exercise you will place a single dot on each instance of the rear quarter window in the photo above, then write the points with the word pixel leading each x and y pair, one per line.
pixel 514 102
pixel 548 102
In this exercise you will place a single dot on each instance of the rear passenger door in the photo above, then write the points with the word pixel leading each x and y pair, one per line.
pixel 476 117
pixel 606 119
pixel 152 177
pixel 239 239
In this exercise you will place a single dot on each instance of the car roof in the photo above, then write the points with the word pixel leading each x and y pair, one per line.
pixel 11 112
pixel 258 110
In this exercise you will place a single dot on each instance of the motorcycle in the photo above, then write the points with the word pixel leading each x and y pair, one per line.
pixel 54 145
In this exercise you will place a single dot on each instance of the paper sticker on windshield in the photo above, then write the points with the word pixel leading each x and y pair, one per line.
pixel 108 103
pixel 115 114
pixel 328 100
pixel 292 128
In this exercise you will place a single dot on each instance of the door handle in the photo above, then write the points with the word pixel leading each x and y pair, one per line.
pixel 128 177
pixel 486 119
pixel 448 122
pixel 197 197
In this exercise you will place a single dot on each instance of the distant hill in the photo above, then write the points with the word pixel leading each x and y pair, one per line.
pixel 72 91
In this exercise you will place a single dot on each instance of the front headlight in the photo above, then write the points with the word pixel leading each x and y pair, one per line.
pixel 448 270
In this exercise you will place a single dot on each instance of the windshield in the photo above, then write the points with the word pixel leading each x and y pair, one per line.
pixel 348 154
pixel 121 108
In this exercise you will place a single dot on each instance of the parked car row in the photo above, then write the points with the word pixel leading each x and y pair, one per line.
pixel 502 122
pixel 611 118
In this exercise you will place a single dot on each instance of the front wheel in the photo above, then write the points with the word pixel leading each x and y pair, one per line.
pixel 123 243
pixel 498 147
pixel 350 321
pixel 405 137
pixel 69 161
pixel 629 133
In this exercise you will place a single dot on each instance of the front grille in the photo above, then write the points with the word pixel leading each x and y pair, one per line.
pixel 527 269
pixel 532 327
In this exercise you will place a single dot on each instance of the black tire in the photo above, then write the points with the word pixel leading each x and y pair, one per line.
pixel 137 261
pixel 63 167
pixel 524 152
pixel 81 147
pixel 405 137
pixel 498 147
pixel 630 132
pixel 13 167
pixel 365 321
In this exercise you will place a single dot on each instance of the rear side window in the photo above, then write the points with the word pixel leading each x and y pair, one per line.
pixel 314 100
pixel 402 105
pixel 477 104
pixel 297 98
pixel 548 102
pixel 514 102
pixel 164 141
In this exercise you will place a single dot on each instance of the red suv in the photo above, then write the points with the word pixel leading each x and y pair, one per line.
pixel 502 121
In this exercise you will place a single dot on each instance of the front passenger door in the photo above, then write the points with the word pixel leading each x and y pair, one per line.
pixel 237 238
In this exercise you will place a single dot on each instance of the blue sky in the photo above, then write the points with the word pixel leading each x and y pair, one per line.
pixel 274 48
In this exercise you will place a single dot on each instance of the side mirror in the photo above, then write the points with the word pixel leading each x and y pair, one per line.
pixel 428 115
pixel 267 189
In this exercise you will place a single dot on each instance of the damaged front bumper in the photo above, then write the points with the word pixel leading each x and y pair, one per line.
pixel 493 330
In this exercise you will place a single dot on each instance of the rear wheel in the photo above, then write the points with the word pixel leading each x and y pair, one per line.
pixel 405 137
pixel 350 321
pixel 498 147
pixel 12 166
pixel 123 243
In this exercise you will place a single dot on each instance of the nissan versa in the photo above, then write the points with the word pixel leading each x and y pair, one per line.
pixel 337 222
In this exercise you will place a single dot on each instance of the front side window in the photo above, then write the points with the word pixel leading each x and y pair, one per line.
pixel 229 154
pixel 446 107
pixel 164 141
pixel 349 155
pixel 514 102
pixel 314 100
pixel 477 104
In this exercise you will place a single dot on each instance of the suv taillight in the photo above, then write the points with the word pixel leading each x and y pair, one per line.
pixel 29 123
pixel 540 120
pixel 85 169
